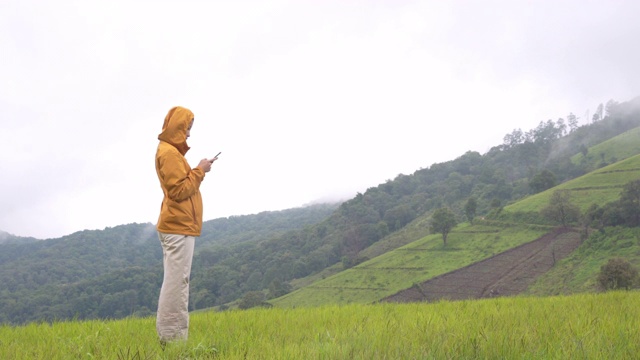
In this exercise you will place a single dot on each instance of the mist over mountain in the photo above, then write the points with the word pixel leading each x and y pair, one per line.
pixel 6 238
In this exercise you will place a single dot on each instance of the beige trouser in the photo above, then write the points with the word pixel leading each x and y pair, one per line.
pixel 172 322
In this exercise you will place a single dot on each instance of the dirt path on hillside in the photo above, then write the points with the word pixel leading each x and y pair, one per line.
pixel 505 274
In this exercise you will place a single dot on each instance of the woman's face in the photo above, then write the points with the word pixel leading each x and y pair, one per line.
pixel 189 129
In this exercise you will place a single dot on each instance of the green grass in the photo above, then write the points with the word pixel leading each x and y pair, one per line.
pixel 589 326
pixel 615 149
pixel 410 264
pixel 416 229
pixel 599 187
pixel 578 272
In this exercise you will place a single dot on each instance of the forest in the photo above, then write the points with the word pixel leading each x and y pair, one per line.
pixel 116 272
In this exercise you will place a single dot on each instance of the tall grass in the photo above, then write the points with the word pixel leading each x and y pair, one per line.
pixel 591 326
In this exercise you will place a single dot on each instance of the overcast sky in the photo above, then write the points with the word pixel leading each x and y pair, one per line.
pixel 307 100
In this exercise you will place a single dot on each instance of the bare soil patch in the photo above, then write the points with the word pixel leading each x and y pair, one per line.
pixel 505 274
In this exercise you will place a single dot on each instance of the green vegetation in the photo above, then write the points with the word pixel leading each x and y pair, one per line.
pixel 610 151
pixel 599 187
pixel 590 326
pixel 413 263
pixel 617 274
pixel 578 273
pixel 117 272
pixel 561 208
pixel 442 221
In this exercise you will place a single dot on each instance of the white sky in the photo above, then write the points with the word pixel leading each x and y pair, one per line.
pixel 306 100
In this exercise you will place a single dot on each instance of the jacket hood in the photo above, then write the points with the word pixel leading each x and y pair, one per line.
pixel 174 129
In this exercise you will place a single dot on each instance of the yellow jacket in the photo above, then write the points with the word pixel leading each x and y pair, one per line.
pixel 181 210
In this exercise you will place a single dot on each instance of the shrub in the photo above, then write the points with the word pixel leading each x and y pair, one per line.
pixel 252 299
pixel 617 273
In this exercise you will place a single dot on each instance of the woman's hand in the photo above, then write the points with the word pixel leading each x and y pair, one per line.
pixel 205 164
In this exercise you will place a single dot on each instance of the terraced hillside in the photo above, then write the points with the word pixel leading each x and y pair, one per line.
pixel 497 257
pixel 413 263
pixel 505 274
pixel 599 187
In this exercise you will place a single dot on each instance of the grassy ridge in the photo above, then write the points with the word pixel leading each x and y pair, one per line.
pixel 599 187
pixel 593 326
pixel 615 149
pixel 413 263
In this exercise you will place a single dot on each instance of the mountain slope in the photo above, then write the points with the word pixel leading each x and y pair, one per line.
pixel 599 187
pixel 113 272
pixel 416 262
pixel 369 281
pixel 610 151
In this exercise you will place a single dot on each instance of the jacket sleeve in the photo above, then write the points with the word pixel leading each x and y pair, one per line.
pixel 180 181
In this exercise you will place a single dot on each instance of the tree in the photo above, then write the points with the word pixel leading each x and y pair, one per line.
pixel 562 127
pixel 611 106
pixel 592 216
pixel 572 120
pixel 542 181
pixel 630 203
pixel 278 288
pixel 399 216
pixel 442 221
pixel 254 281
pixel 617 273
pixel 584 150
pixel 560 208
pixel 470 209
pixel 252 299
pixel 599 113
pixel 516 137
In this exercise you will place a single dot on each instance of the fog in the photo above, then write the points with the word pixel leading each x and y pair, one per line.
pixel 307 101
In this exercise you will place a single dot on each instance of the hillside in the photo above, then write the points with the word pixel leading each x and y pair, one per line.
pixel 505 272
pixel 414 263
pixel 114 272
pixel 610 151
pixel 600 187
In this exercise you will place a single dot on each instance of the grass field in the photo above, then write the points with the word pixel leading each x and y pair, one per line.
pixel 589 326
pixel 413 263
